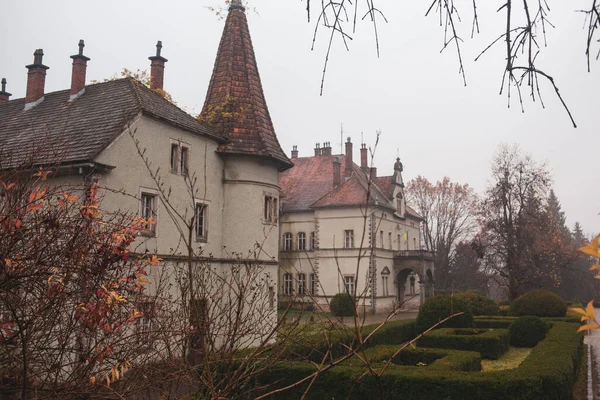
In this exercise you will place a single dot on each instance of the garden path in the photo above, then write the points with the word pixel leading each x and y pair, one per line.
pixel 592 339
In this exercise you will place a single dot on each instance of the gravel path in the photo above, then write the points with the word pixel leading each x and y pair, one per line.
pixel 593 341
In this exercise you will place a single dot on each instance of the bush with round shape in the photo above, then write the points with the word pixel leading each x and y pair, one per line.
pixel 480 305
pixel 528 331
pixel 342 305
pixel 436 308
pixel 539 302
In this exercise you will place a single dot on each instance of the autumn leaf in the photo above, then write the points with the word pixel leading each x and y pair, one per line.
pixel 42 173
pixel 92 380
pixel 591 248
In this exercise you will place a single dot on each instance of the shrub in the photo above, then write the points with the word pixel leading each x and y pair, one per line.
pixel 490 343
pixel 393 332
pixel 527 331
pixel 342 305
pixel 539 302
pixel 480 305
pixel 439 307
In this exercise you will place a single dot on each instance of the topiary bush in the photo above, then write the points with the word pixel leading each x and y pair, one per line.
pixel 480 305
pixel 528 331
pixel 436 308
pixel 342 305
pixel 539 302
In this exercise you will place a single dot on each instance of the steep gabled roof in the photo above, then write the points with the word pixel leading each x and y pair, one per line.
pixel 235 100
pixel 60 131
pixel 309 185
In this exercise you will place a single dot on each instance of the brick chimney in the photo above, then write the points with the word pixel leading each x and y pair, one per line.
pixel 349 163
pixel 36 79
pixel 78 74
pixel 326 150
pixel 373 173
pixel 295 152
pixel 317 149
pixel 157 68
pixel 364 157
pixel 4 95
pixel 337 174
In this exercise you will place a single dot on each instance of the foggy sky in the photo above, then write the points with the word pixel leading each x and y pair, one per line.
pixel 411 93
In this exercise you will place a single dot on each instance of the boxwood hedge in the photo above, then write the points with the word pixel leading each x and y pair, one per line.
pixel 548 373
pixel 490 343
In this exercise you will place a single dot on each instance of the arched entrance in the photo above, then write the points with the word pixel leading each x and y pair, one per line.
pixel 406 285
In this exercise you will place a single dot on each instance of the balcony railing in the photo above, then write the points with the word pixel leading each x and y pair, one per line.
pixel 414 254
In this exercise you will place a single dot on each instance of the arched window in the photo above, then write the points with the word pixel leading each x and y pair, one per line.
pixel 301 241
pixel 287 241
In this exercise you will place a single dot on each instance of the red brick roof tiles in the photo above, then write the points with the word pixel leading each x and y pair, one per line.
pixel 235 89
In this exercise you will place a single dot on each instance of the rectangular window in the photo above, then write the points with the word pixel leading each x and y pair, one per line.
pixel 349 239
pixel 174 157
pixel 287 241
pixel 384 279
pixel 399 243
pixel 381 239
pixel 313 284
pixel 271 211
pixel 271 296
pixel 287 284
pixel 390 240
pixel 184 160
pixel 146 322
pixel 349 284
pixel 312 241
pixel 149 203
pixel 301 284
pixel 301 241
pixel 201 222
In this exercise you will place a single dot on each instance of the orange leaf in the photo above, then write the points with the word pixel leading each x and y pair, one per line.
pixel 587 327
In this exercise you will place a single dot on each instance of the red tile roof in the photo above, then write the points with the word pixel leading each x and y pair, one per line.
pixel 235 88
pixel 309 185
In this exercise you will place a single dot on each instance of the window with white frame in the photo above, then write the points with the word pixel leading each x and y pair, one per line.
pixel 349 284
pixel 180 155
pixel 313 284
pixel 349 238
pixel 149 211
pixel 288 284
pixel 301 241
pixel 312 240
pixel 301 284
pixel 201 221
pixel 287 241
pixel 270 210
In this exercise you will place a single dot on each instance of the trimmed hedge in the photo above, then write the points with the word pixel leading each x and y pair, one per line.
pixel 480 305
pixel 436 308
pixel 393 332
pixel 539 302
pixel 548 373
pixel 342 305
pixel 504 322
pixel 528 331
pixel 490 343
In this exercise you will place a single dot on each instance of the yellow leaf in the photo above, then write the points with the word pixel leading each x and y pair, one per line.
pixel 107 381
pixel 92 380
pixel 591 248
pixel 587 327
pixel 593 267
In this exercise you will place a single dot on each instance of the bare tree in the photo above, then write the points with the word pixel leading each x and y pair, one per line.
pixel 448 210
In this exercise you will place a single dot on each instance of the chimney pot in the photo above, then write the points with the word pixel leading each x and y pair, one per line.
pixel 364 157
pixel 326 150
pixel 157 68
pixel 317 149
pixel 4 95
pixel 337 178
pixel 79 72
pixel 295 152
pixel 349 163
pixel 36 80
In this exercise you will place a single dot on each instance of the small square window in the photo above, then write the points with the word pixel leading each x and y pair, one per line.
pixel 201 222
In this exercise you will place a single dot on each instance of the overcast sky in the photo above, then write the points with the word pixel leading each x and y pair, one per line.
pixel 411 93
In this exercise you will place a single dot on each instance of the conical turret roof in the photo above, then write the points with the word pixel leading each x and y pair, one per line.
pixel 235 102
